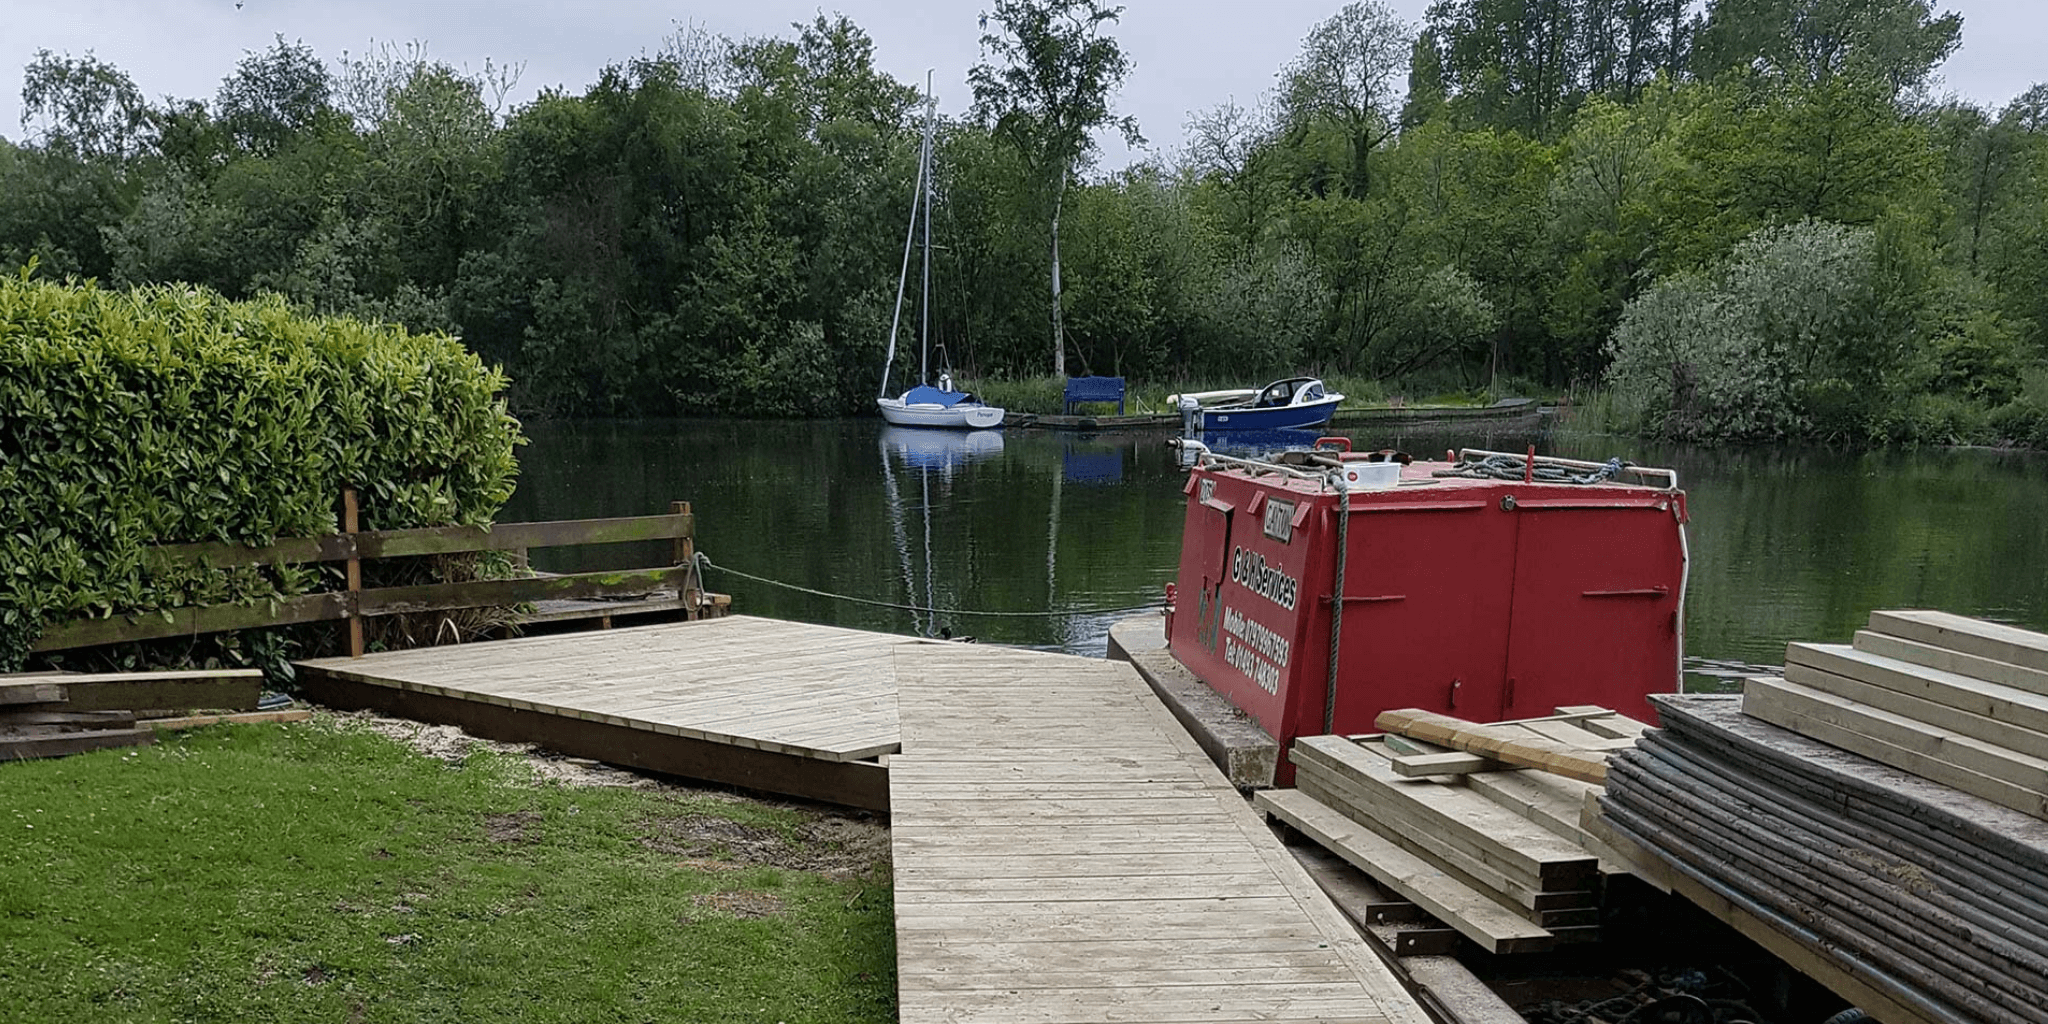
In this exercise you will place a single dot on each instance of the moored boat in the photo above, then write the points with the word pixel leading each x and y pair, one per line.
pixel 1289 404
pixel 1492 586
pixel 940 407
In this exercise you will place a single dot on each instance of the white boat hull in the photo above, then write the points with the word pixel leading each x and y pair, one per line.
pixel 963 416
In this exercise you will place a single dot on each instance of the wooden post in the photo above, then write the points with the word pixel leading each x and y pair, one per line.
pixel 686 555
pixel 349 526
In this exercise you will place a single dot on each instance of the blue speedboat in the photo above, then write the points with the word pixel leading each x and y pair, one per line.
pixel 1291 404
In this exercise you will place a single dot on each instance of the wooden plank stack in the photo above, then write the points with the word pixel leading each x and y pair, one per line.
pixel 1875 817
pixel 1493 851
pixel 53 714
pixel 1955 700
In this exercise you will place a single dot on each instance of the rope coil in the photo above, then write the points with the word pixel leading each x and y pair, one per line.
pixel 1512 467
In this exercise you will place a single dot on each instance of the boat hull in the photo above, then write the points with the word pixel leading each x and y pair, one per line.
pixel 1286 417
pixel 962 416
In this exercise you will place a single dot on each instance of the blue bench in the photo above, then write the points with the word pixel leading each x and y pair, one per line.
pixel 1095 389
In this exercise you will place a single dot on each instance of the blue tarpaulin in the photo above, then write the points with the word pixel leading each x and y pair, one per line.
pixel 925 394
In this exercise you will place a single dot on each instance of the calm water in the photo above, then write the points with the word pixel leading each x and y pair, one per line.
pixel 1796 545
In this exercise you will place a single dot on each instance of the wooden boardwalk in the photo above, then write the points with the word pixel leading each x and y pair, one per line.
pixel 1064 852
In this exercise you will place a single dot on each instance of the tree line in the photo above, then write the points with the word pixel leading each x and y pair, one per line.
pixel 1745 219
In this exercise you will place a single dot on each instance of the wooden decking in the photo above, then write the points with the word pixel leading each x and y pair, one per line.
pixel 746 701
pixel 1065 852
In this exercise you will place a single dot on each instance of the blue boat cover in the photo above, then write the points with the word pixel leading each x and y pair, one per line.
pixel 925 394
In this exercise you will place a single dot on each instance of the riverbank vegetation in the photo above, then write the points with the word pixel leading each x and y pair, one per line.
pixel 323 872
pixel 1745 219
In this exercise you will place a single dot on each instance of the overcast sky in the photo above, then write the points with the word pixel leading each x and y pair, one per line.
pixel 1188 54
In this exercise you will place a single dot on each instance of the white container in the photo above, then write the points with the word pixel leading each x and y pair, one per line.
pixel 1371 476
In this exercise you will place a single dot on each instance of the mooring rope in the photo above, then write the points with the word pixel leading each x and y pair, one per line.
pixel 704 562
pixel 1337 598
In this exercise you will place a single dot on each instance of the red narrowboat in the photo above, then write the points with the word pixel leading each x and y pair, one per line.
pixel 1490 586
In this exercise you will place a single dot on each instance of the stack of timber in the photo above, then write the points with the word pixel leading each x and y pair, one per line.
pixel 1875 817
pixel 54 714
pixel 1492 850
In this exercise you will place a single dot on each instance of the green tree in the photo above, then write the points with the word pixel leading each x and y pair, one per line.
pixel 1897 42
pixel 274 97
pixel 1346 76
pixel 1047 96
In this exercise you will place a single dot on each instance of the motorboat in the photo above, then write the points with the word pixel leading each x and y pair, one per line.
pixel 1290 404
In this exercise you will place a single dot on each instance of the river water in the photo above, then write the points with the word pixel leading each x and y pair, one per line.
pixel 1786 544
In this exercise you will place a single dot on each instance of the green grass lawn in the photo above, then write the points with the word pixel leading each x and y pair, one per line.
pixel 319 872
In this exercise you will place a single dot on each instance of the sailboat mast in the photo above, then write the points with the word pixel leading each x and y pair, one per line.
pixel 909 239
pixel 924 309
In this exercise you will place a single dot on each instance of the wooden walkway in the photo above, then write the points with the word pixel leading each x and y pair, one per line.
pixel 1064 852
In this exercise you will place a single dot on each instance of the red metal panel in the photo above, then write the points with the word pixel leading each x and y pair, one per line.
pixel 1244 587
pixel 1426 613
pixel 1595 608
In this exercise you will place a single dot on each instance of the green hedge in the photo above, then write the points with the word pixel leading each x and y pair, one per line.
pixel 171 414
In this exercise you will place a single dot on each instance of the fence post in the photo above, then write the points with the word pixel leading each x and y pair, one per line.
pixel 349 526
pixel 686 555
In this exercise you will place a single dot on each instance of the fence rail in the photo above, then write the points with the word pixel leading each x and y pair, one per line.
pixel 356 603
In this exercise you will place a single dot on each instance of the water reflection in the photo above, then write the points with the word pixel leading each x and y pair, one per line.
pixel 942 450
pixel 1787 545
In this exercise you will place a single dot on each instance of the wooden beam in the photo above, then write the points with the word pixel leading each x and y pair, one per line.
pixel 433 540
pixel 1993 640
pixel 1514 746
pixel 435 597
pixel 232 688
pixel 244 718
pixel 30 747
pixel 1456 762
pixel 2001 776
pixel 118 629
pixel 349 525
pixel 1496 835
pixel 1912 652
pixel 1996 714
pixel 1495 928
pixel 850 783
pixel 67 721
pixel 31 693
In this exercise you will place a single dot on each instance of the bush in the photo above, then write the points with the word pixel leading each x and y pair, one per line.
pixel 170 414
pixel 1732 355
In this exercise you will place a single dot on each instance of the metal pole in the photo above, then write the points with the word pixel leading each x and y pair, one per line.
pixel 924 310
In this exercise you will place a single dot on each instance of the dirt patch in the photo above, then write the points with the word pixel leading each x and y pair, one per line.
pixel 450 744
pixel 739 904
pixel 835 846
pixel 516 827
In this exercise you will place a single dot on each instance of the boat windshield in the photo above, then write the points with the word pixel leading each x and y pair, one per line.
pixel 1311 391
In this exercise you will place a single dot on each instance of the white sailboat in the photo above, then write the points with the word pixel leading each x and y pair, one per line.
pixel 926 405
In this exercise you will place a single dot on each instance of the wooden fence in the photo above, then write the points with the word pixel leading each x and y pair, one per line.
pixel 355 604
